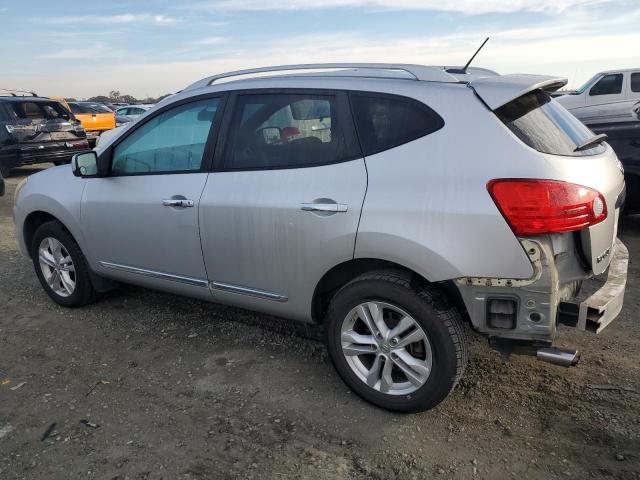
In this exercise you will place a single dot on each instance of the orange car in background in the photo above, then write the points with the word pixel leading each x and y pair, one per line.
pixel 95 118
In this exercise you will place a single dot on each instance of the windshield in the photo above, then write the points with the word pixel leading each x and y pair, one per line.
pixel 84 108
pixel 586 85
pixel 545 125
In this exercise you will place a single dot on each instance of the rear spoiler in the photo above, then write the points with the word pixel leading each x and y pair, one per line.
pixel 499 90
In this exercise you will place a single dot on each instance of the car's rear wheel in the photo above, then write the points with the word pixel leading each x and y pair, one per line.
pixel 399 347
pixel 61 267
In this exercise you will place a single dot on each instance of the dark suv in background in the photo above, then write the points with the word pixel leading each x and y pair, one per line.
pixel 36 130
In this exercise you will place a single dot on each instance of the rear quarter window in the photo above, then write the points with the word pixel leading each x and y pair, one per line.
pixel 387 121
pixel 546 126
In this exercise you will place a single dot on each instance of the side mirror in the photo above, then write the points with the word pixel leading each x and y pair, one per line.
pixel 85 164
pixel 271 135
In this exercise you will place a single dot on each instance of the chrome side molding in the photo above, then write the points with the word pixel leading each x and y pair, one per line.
pixel 252 292
pixel 197 282
pixel 161 275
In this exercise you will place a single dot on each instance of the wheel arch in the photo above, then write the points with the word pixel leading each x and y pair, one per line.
pixel 31 223
pixel 344 272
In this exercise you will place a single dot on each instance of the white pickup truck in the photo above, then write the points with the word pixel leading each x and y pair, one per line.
pixel 608 97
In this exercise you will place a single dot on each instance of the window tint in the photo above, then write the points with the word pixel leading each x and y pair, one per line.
pixel 607 85
pixel 173 141
pixel 81 108
pixel 385 122
pixel 545 125
pixel 122 111
pixel 635 82
pixel 288 130
pixel 38 110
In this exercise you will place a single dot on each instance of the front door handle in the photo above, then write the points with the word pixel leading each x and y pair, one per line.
pixel 324 207
pixel 178 202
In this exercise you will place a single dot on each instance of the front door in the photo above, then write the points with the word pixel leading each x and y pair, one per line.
pixel 284 204
pixel 141 222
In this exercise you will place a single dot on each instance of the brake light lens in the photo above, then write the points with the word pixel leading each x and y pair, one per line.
pixel 535 207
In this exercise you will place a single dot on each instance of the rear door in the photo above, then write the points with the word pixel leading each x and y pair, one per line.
pixel 282 207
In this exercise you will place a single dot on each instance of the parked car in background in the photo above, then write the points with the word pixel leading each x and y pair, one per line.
pixel 337 199
pixel 605 98
pixel 35 130
pixel 132 112
pixel 95 118
pixel 624 138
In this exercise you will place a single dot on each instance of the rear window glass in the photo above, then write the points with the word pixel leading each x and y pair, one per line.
pixel 545 125
pixel 635 82
pixel 385 122
pixel 38 110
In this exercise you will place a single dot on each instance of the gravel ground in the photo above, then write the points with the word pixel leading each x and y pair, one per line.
pixel 151 385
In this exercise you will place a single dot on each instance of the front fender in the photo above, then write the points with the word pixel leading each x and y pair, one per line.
pixel 55 192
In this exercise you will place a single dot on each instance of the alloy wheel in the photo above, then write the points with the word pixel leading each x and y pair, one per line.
pixel 386 348
pixel 57 267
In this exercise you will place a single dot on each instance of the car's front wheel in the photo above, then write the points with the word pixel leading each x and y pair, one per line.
pixel 398 346
pixel 61 267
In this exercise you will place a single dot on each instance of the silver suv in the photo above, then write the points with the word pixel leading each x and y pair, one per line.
pixel 393 204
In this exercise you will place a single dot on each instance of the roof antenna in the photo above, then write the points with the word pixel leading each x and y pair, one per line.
pixel 463 70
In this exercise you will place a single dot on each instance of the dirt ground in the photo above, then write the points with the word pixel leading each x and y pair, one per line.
pixel 182 389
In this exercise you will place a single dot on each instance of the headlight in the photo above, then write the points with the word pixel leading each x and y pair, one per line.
pixel 18 188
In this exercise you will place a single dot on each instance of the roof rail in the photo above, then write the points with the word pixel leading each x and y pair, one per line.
pixel 418 72
pixel 13 91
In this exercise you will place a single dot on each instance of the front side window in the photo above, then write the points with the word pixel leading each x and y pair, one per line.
pixel 173 141
pixel 288 130
pixel 607 85
pixel 546 126
pixel 635 82
pixel 385 122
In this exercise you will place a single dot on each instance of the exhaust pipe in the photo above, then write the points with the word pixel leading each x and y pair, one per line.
pixel 565 357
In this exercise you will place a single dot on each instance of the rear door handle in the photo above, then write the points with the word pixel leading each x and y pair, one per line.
pixel 178 202
pixel 324 207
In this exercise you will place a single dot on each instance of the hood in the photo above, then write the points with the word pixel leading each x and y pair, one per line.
pixel 496 91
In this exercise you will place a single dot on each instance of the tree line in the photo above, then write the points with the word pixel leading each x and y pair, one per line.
pixel 115 96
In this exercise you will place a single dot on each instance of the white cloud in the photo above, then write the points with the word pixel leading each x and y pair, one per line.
pixel 212 41
pixel 110 19
pixel 469 7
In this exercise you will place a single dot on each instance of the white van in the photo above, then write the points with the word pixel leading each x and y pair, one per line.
pixel 608 97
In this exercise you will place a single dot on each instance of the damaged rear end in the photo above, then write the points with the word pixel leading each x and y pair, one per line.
pixel 565 219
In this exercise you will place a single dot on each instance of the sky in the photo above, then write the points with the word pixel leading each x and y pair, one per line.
pixel 152 47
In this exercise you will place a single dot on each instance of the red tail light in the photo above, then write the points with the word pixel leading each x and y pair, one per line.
pixel 534 207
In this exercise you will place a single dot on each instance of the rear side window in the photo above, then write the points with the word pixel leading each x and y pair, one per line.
pixel 607 85
pixel 546 126
pixel 385 121
pixel 38 110
pixel 284 130
pixel 635 82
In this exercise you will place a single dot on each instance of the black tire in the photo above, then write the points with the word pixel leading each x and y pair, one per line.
pixel 5 171
pixel 430 308
pixel 84 292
